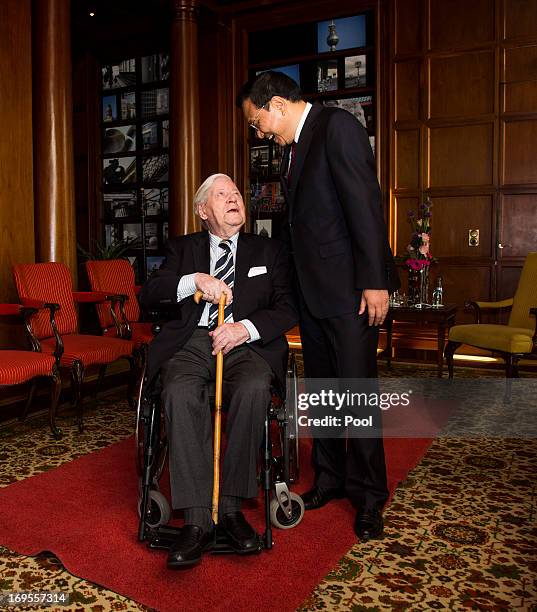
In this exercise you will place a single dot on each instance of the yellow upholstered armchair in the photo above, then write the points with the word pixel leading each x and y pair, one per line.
pixel 512 341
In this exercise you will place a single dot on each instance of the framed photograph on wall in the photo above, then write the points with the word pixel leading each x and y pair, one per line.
pixel 339 34
pixel 119 139
pixel 327 75
pixel 156 201
pixel 361 107
pixel 150 135
pixel 155 169
pixel 128 106
pixel 259 160
pixel 263 227
pixel 166 133
pixel 151 235
pixel 355 71
pixel 133 233
pixel 109 109
pixel 119 75
pixel 119 170
pixel 120 204
pixel 153 263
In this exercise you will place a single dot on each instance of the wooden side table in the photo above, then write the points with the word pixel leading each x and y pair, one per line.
pixel 443 318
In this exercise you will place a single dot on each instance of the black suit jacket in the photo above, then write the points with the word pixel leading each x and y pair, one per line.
pixel 336 226
pixel 265 299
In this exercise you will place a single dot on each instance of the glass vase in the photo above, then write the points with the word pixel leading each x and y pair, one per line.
pixel 418 287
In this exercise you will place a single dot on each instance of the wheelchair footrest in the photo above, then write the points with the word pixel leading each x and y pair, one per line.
pixel 163 538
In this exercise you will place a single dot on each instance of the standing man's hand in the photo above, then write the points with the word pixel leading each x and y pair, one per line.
pixel 228 336
pixel 376 301
pixel 212 288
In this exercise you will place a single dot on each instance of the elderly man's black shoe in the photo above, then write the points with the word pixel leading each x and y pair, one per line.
pixel 186 551
pixel 317 497
pixel 241 536
pixel 368 524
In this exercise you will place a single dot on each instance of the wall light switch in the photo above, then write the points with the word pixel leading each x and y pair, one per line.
pixel 473 237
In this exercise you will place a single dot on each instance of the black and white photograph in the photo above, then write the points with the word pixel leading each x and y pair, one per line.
pixel 164 66
pixel 156 201
pixel 166 133
pixel 128 106
pixel 361 107
pixel 327 75
pixel 150 135
pixel 355 71
pixel 155 169
pixel 120 204
pixel 132 232
pixel 119 139
pixel 259 159
pixel 165 231
pixel 263 227
pixel 155 102
pixel 162 106
pixel 119 170
pixel 109 109
pixel 119 75
pixel 110 235
pixel 153 263
pixel 151 235
pixel 150 68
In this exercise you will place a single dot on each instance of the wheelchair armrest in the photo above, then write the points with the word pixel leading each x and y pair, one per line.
pixel 477 307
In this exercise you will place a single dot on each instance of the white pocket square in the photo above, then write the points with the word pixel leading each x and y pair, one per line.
pixel 257 270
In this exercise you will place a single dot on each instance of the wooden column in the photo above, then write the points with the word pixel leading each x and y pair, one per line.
pixel 55 233
pixel 184 117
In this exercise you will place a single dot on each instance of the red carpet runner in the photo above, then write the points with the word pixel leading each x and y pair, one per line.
pixel 85 512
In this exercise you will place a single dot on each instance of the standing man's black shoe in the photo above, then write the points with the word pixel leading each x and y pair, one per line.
pixel 317 497
pixel 241 535
pixel 368 524
pixel 186 551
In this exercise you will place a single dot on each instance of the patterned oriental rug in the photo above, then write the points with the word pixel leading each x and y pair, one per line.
pixel 85 513
pixel 461 530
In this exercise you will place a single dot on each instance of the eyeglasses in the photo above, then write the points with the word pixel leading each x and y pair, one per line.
pixel 254 122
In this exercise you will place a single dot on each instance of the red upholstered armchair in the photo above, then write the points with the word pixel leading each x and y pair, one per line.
pixel 116 276
pixel 18 366
pixel 48 286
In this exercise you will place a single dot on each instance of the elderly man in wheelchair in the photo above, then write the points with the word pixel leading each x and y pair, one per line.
pixel 254 275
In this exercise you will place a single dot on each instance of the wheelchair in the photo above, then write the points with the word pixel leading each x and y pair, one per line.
pixel 278 468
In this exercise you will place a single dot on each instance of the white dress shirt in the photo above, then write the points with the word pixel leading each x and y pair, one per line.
pixel 187 286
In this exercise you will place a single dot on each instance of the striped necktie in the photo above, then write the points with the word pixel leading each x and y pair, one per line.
pixel 224 271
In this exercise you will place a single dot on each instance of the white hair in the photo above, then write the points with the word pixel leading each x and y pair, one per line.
pixel 202 194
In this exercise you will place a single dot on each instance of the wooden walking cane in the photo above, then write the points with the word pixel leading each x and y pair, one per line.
pixel 217 409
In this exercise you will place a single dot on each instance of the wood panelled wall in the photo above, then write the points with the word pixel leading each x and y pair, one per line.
pixel 16 178
pixel 464 131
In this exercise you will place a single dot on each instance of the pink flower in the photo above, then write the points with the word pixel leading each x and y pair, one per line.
pixel 424 248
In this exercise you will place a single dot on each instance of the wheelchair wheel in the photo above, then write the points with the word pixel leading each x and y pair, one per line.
pixel 158 510
pixel 279 519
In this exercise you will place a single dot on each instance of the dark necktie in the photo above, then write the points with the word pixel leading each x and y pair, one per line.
pixel 224 271
pixel 292 155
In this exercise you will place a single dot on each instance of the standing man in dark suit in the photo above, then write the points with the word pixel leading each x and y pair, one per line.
pixel 343 270
pixel 254 274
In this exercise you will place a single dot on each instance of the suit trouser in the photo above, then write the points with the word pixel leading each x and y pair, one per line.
pixel 186 379
pixel 345 347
